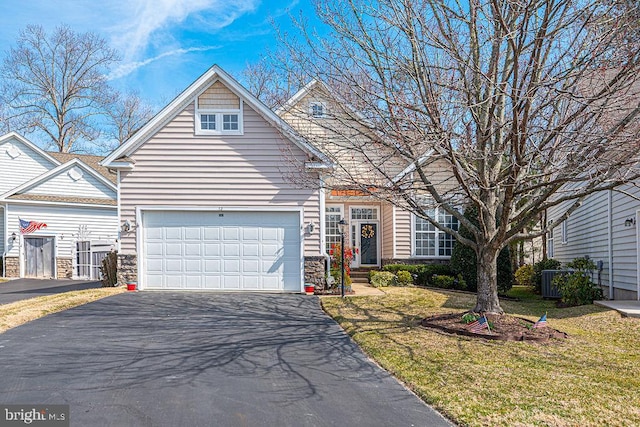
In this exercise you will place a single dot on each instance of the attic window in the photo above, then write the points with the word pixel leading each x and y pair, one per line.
pixel 210 121
pixel 317 110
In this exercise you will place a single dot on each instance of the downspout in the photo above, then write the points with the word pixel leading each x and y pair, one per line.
pixel 610 240
pixel 6 238
pixel 327 258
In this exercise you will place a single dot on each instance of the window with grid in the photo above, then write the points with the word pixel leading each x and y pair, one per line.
pixel 332 216
pixel 229 122
pixel 211 121
pixel 317 109
pixel 429 240
pixel 364 213
pixel 208 121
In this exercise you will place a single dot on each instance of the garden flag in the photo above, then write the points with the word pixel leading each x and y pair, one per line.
pixel 542 322
pixel 479 325
pixel 27 227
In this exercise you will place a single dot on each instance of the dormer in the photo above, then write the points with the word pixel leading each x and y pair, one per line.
pixel 218 111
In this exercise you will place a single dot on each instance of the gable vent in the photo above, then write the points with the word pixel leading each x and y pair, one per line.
pixel 75 174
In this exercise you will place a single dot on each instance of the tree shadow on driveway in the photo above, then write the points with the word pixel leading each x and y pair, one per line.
pixel 279 350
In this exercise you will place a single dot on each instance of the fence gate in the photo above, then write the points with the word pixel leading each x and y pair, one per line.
pixel 38 254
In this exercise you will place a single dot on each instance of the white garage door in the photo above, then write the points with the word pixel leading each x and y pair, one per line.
pixel 249 251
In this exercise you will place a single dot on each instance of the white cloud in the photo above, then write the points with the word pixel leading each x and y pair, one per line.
pixel 127 68
pixel 148 20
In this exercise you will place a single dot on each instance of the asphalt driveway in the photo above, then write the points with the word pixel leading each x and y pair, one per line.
pixel 194 359
pixel 20 289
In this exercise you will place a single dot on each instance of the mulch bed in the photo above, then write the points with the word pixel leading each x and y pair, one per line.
pixel 505 328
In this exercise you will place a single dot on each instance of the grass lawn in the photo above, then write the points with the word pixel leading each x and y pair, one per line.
pixel 590 379
pixel 21 312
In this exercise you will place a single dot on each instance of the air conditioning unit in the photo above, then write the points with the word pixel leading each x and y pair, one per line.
pixel 548 290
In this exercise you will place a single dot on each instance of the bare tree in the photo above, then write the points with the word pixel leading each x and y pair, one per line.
pixel 57 84
pixel 273 79
pixel 127 114
pixel 527 104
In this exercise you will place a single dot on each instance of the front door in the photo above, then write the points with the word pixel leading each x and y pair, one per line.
pixel 38 252
pixel 367 237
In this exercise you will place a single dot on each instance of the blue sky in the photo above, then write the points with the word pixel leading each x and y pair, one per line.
pixel 165 44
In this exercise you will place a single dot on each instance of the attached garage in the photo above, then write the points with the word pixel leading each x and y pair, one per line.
pixel 227 250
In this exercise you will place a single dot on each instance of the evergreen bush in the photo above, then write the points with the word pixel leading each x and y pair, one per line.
pixel 463 260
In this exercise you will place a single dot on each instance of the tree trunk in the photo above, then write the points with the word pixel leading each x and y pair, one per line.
pixel 487 297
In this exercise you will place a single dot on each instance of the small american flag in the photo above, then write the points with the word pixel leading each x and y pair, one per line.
pixel 542 322
pixel 478 325
pixel 27 227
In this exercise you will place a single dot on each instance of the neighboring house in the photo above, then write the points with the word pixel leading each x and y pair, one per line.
pixel 72 194
pixel 605 228
pixel 218 192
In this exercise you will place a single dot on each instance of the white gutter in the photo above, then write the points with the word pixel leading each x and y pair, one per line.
pixel 638 256
pixel 610 240
pixel 323 237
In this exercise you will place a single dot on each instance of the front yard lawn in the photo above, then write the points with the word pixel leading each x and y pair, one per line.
pixel 590 379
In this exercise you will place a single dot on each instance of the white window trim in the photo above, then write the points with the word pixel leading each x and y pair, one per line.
pixel 324 219
pixel 550 241
pixel 563 232
pixel 219 122
pixel 324 109
pixel 437 247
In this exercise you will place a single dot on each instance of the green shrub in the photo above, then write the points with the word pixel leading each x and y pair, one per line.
pixel 576 287
pixel 525 275
pixel 545 264
pixel 371 273
pixel 109 270
pixel 337 277
pixel 463 260
pixel 382 279
pixel 404 278
pixel 394 268
pixel 448 282
pixel 426 273
pixel 444 282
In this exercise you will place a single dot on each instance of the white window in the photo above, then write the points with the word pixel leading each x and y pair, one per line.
pixel 208 121
pixel 429 241
pixel 550 252
pixel 317 109
pixel 361 214
pixel 564 231
pixel 230 121
pixel 332 216
pixel 219 122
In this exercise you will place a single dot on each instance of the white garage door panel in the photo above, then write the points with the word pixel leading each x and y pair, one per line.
pixel 230 250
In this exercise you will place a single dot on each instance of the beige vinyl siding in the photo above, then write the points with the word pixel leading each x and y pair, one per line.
pixel 218 97
pixel 387 231
pixel 176 168
pixel 337 139
pixel 63 185
pixel 403 233
pixel 65 223
pixel 25 167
